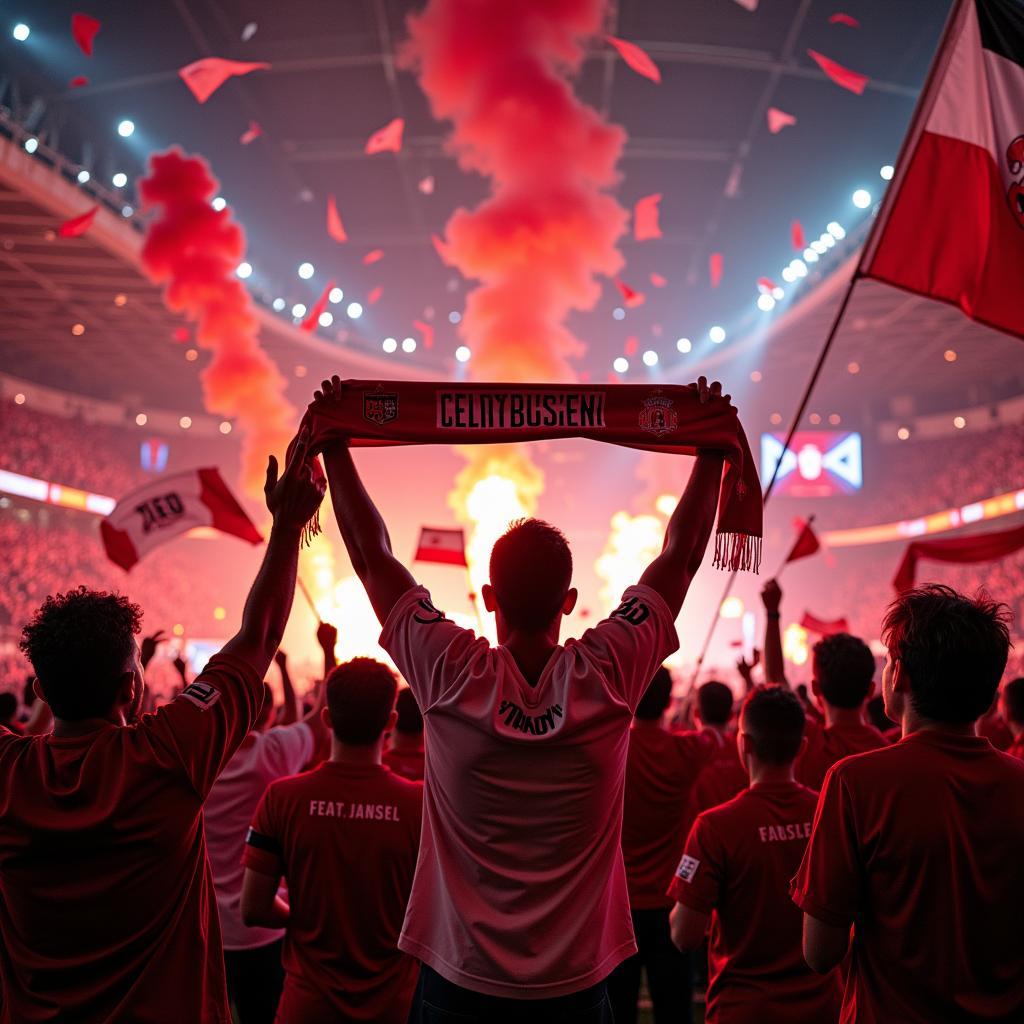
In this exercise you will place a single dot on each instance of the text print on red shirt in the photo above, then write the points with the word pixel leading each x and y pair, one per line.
pixel 366 812
pixel 778 833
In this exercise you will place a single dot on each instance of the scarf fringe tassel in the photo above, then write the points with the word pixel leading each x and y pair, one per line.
pixel 737 552
pixel 311 529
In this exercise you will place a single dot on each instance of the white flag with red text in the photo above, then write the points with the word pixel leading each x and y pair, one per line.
pixel 169 506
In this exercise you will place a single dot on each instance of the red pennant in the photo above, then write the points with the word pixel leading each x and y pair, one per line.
pixel 806 543
pixel 645 218
pixel 824 627
pixel 334 226
pixel 767 285
pixel 630 297
pixel 796 235
pixel 778 119
pixel 844 77
pixel 311 321
pixel 83 31
pixel 253 132
pixel 386 139
pixel 427 331
pixel 426 185
pixel 442 249
pixel 373 256
pixel 658 281
pixel 631 346
pixel 636 58
pixel 204 77
pixel 715 267
pixel 78 81
pixel 839 18
pixel 78 225
pixel 374 296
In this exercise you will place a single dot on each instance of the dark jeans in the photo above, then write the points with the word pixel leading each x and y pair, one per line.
pixel 669 977
pixel 255 980
pixel 438 1001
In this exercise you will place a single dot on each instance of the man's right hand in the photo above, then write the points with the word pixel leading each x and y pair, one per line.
pixel 327 637
pixel 294 498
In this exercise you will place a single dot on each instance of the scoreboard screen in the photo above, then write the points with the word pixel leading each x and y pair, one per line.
pixel 817 464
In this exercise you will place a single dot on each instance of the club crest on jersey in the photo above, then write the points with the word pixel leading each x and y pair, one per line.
pixel 1015 193
pixel 658 415
pixel 687 868
pixel 203 695
pixel 380 407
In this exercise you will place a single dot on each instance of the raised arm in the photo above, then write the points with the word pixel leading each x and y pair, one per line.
pixel 774 664
pixel 688 531
pixel 292 501
pixel 289 709
pixel 362 528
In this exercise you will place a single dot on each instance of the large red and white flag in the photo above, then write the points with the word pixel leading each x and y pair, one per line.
pixel 169 506
pixel 824 627
pixel 952 225
pixel 447 546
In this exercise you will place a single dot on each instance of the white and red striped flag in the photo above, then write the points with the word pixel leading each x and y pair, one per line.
pixel 952 225
pixel 447 546
pixel 169 506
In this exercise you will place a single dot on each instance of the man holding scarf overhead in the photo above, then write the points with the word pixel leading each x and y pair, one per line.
pixel 520 891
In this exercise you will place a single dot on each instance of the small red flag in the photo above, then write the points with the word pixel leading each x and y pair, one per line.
pixel 373 256
pixel 779 119
pixel 631 346
pixel 645 218
pixel 715 269
pixel 78 225
pixel 844 77
pixel 427 331
pixel 83 31
pixel 630 297
pixel 806 543
pixel 334 226
pixel 636 58
pixel 444 546
pixel 386 139
pixel 375 294
pixel 78 81
pixel 253 132
pixel 658 281
pixel 311 321
pixel 204 77
pixel 839 18
pixel 824 627
pixel 796 234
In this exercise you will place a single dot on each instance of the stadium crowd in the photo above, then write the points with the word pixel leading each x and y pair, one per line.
pixel 519 833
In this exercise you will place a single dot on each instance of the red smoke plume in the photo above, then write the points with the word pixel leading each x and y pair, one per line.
pixel 499 72
pixel 194 249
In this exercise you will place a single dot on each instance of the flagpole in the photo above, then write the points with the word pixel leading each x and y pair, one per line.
pixel 778 572
pixel 309 600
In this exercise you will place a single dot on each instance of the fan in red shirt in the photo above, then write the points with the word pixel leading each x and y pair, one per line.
pixel 735 871
pixel 1011 707
pixel 843 672
pixel 661 768
pixel 107 906
pixel 405 756
pixel 724 776
pixel 345 837
pixel 916 845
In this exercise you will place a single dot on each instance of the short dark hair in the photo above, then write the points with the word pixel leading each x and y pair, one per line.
pixel 656 697
pixel 774 719
pixel 844 669
pixel 409 718
pixel 531 569
pixel 714 702
pixel 360 698
pixel 79 643
pixel 953 649
pixel 1013 700
pixel 8 706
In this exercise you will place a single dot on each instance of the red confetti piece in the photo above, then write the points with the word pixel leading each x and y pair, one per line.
pixel 253 132
pixel 83 31
pixel 658 281
pixel 204 77
pixel 645 218
pixel 630 296
pixel 334 226
pixel 426 185
pixel 715 266
pixel 778 119
pixel 441 248
pixel 636 58
pixel 78 81
pixel 840 18
pixel 843 77
pixel 386 139
pixel 78 225
pixel 374 297
pixel 796 234
pixel 631 346
pixel 427 331
pixel 311 321
pixel 373 256
pixel 766 285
